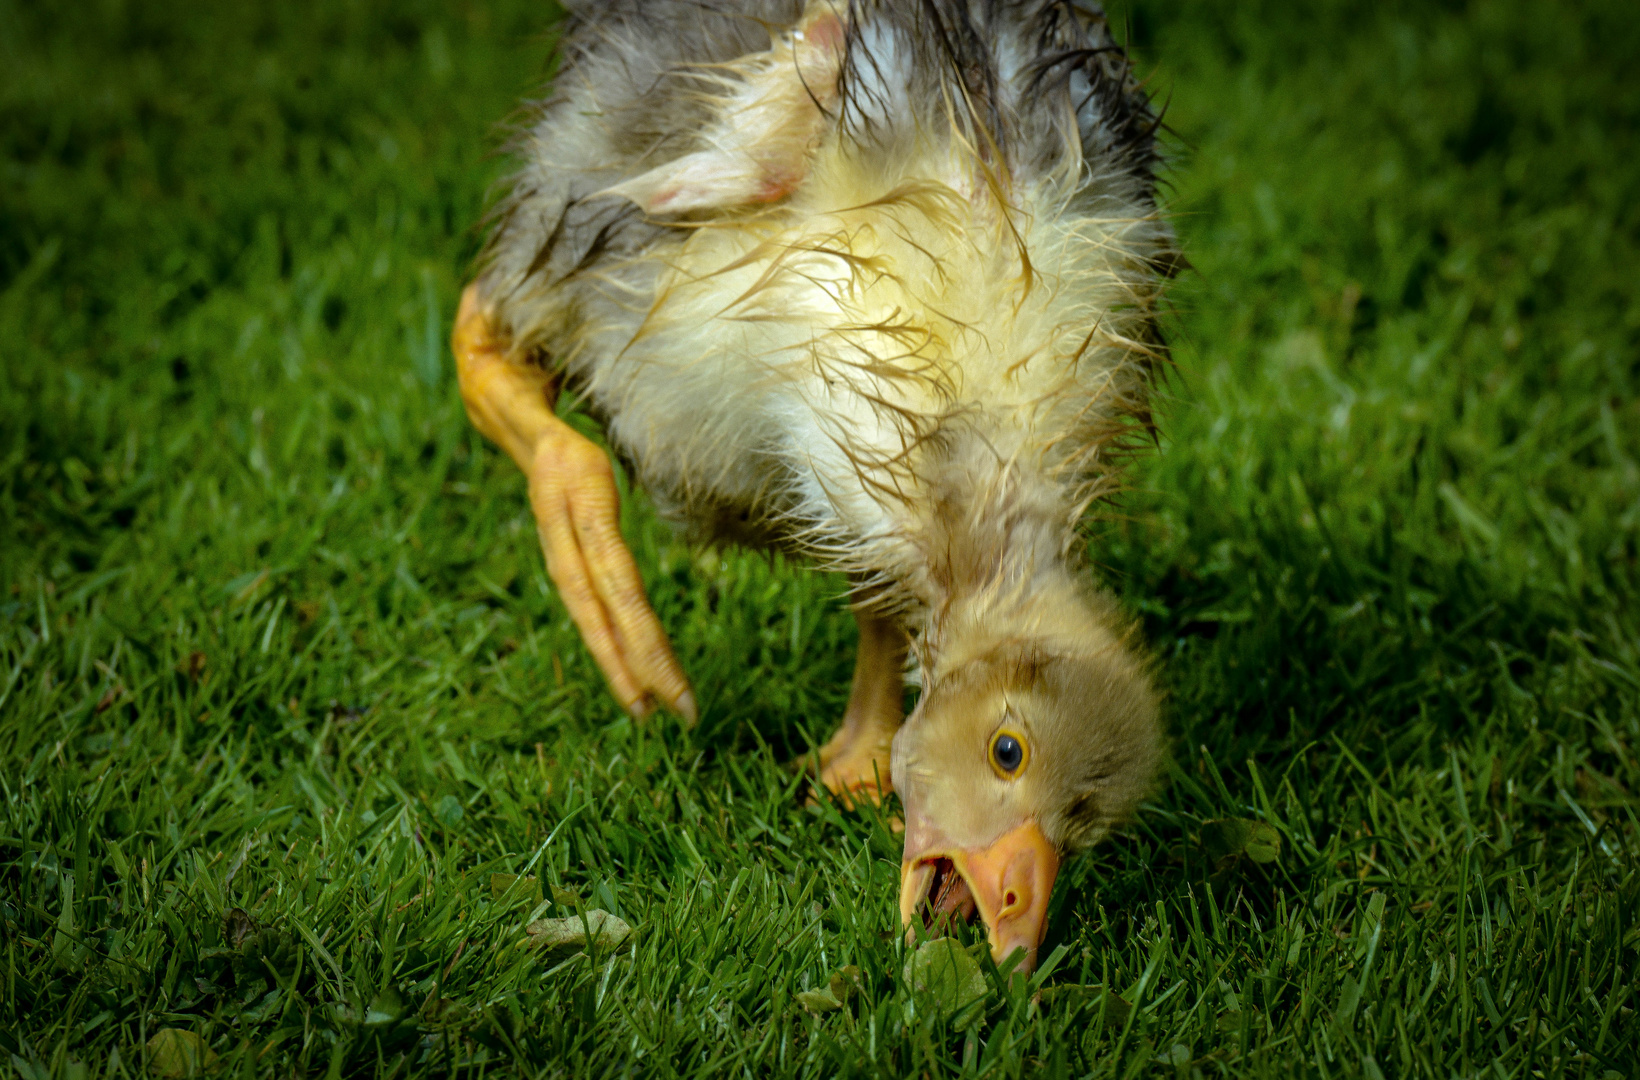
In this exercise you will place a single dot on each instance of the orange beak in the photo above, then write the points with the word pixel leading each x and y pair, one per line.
pixel 1007 884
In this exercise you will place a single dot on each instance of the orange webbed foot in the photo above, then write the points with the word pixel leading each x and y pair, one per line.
pixel 854 762
pixel 860 771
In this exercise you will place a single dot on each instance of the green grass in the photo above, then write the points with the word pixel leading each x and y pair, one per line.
pixel 275 635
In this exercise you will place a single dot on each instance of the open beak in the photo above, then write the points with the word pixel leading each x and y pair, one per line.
pixel 1007 884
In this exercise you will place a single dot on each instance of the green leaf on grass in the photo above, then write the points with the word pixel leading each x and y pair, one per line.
pixel 1229 1021
pixel 265 1009
pixel 1088 999
pixel 944 974
pixel 834 994
pixel 387 1007
pixel 179 1052
pixel 1237 837
pixel 527 891
pixel 449 811
pixel 845 981
pixel 819 1001
pixel 263 952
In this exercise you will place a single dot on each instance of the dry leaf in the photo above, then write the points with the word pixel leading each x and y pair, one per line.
pixel 237 925
pixel 600 929
pixel 193 667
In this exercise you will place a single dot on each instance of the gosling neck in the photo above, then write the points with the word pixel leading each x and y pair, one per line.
pixel 1001 576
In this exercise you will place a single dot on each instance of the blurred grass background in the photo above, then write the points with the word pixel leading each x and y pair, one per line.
pixel 275 637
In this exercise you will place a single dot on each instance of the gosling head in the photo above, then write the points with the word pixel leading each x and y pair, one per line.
pixel 1022 749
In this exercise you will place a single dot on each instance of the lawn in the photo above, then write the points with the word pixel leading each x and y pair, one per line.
pixel 283 687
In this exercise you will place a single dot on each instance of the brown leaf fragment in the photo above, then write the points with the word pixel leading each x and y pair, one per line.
pixel 445 1012
pixel 237 925
pixel 193 667
pixel 111 697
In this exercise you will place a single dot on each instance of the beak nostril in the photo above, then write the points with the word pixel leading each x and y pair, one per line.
pixel 1010 900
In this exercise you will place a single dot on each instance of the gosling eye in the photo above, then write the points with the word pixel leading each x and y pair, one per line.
pixel 1008 753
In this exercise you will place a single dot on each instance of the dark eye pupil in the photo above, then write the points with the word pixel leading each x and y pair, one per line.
pixel 1008 753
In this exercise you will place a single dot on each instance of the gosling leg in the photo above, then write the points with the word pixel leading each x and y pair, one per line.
pixel 577 515
pixel 854 762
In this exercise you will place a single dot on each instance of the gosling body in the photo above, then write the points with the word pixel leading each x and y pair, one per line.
pixel 874 282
